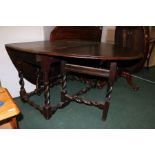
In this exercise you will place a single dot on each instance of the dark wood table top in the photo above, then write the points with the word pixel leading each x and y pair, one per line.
pixel 77 49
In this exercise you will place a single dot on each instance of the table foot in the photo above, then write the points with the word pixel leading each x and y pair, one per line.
pixel 129 80
pixel 47 111
pixel 105 111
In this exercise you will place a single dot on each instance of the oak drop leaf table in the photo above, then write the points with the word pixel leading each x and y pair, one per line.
pixel 42 54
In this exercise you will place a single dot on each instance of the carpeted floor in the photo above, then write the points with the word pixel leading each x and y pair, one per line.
pixel 128 109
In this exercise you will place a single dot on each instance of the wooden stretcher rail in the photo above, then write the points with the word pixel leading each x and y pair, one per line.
pixel 87 70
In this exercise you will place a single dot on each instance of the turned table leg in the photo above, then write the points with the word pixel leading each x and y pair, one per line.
pixel 45 67
pixel 23 95
pixel 111 80
pixel 64 81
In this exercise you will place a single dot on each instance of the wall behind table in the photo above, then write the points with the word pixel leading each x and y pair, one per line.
pixel 108 34
pixel 11 34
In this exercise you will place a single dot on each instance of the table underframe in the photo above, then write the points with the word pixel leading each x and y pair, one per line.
pixel 47 109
